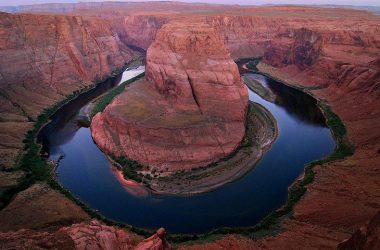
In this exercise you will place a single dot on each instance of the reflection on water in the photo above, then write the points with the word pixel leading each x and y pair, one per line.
pixel 295 102
pixel 87 174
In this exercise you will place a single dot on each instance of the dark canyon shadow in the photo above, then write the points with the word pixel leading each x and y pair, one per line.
pixel 295 102
pixel 71 117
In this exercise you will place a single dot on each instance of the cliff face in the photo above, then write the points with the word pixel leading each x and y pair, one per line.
pixel 185 61
pixel 138 30
pixel 43 59
pixel 189 112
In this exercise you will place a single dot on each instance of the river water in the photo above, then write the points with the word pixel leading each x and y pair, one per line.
pixel 85 171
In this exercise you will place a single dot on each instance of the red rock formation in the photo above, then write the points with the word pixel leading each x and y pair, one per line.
pixel 365 238
pixel 155 242
pixel 138 31
pixel 91 235
pixel 189 113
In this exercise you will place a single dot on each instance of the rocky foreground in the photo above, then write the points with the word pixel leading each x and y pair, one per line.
pixel 91 235
pixel 333 53
pixel 190 110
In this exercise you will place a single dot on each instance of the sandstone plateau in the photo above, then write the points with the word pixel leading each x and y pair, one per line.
pixel 189 111
pixel 332 53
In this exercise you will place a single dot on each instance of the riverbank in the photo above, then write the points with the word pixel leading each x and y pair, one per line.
pixel 261 132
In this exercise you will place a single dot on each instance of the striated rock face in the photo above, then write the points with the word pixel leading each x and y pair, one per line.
pixel 138 31
pixel 184 63
pixel 190 110
pixel 303 50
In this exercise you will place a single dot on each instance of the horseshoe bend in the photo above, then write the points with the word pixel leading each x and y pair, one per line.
pixel 189 110
pixel 228 126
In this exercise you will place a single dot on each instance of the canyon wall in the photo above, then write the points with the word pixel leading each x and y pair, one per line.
pixel 138 31
pixel 43 59
pixel 188 113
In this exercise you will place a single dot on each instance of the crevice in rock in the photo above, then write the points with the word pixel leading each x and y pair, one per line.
pixel 16 105
pixel 193 93
pixel 52 64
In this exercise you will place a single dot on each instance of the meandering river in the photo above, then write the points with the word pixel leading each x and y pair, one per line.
pixel 85 171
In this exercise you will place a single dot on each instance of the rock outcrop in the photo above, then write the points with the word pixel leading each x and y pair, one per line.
pixel 87 235
pixel 189 112
pixel 156 241
pixel 365 238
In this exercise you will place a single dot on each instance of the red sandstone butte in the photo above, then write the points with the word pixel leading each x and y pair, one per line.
pixel 190 109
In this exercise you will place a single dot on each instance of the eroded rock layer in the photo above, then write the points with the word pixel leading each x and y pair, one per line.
pixel 190 111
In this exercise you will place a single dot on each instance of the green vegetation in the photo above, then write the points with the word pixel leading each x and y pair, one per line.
pixel 343 148
pixel 129 168
pixel 252 65
pixel 102 103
